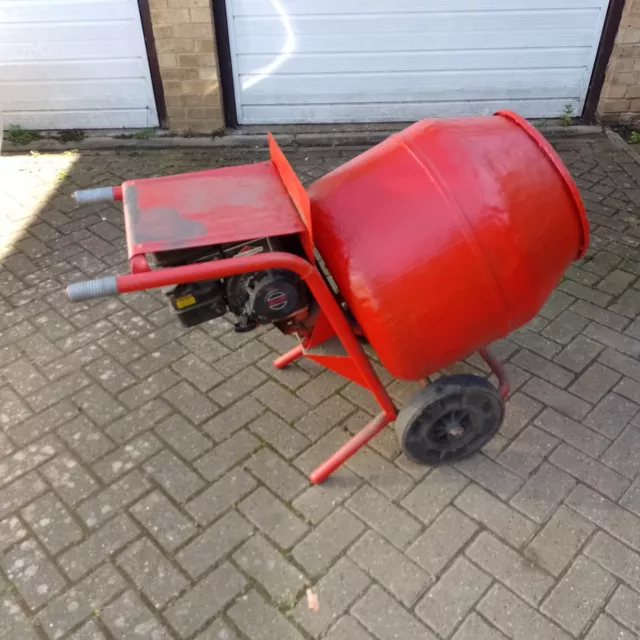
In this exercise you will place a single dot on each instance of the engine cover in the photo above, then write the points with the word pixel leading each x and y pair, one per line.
pixel 266 296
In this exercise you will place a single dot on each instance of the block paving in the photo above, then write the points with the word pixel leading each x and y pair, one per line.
pixel 153 478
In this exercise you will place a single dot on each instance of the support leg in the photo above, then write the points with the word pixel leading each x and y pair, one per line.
pixel 497 367
pixel 288 358
pixel 321 473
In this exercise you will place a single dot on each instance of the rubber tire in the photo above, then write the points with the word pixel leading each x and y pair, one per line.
pixel 434 392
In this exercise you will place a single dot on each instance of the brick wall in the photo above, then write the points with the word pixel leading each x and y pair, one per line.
pixel 620 98
pixel 184 35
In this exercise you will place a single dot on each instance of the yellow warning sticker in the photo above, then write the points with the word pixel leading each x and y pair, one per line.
pixel 185 301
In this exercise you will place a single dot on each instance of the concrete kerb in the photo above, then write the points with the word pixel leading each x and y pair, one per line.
pixel 255 138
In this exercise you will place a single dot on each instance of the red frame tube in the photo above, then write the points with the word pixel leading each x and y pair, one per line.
pixel 498 368
pixel 287 358
pixel 276 260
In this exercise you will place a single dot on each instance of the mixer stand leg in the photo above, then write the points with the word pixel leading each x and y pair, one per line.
pixel 289 357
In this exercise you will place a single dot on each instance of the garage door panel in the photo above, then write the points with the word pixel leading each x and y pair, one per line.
pixel 71 70
pixel 482 30
pixel 313 7
pixel 394 112
pixel 27 11
pixel 396 61
pixel 48 51
pixel 92 94
pixel 84 119
pixel 74 64
pixel 416 87
pixel 34 34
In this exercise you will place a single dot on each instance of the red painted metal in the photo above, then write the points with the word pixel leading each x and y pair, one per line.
pixel 211 207
pixel 276 260
pixel 117 193
pixel 290 356
pixel 321 473
pixel 447 236
pixel 497 367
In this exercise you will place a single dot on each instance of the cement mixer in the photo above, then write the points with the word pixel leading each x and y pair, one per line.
pixel 432 245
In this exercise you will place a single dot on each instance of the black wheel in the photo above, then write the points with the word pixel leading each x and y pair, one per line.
pixel 449 419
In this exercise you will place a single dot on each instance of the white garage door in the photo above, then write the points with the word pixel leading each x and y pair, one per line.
pixel 375 60
pixel 74 64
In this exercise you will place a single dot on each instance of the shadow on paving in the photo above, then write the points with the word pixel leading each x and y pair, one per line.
pixel 153 478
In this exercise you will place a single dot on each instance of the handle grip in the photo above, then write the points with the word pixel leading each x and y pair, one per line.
pixel 89 196
pixel 91 289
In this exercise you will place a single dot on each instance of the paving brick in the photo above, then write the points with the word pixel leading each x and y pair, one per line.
pixel 342 584
pixel 42 423
pixel 564 328
pixel 241 358
pixel 182 437
pixel 189 401
pixel 434 549
pixel 607 515
pixel 158 359
pixel 616 558
pixel 572 432
pixel 98 546
pixel 79 602
pixel 518 412
pixel 34 575
pixel 282 479
pixel 273 518
pixel 151 387
pixel 217 630
pixel 622 363
pixel 613 339
pixel 85 439
pixel 327 541
pixel 113 377
pixel 543 368
pixel 98 405
pixel 151 573
pixel 384 617
pixel 284 439
pixel 451 598
pixel 138 421
pixel 405 580
pixel 197 372
pixel 121 347
pixel 517 619
pixel 495 515
pixel 127 618
pixel 602 478
pixel 52 523
pixel 594 383
pixel 611 415
pixel 205 600
pixel 11 531
pixel 527 451
pixel 259 621
pixel 321 388
pixel 434 493
pixel 281 402
pixel 490 475
pixel 347 629
pixel 24 377
pixel 227 422
pixel 27 459
pixel 623 454
pixel 202 344
pixel 223 457
pixel 319 500
pixel 557 398
pixel 324 417
pixel 163 521
pixel 585 293
pixel 559 541
pixel 109 501
pixel 579 595
pixel 13 621
pixel 213 543
pixel 262 562
pixel 543 492
pixel 629 389
pixel 70 480
pixel 383 516
pixel 579 353
pixel 535 342
pixel 475 628
pixel 239 385
pixel 88 631
pixel 127 457
pixel 173 475
pixel 631 499
pixel 20 492
pixel 606 629
pixel 625 607
pixel 507 566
